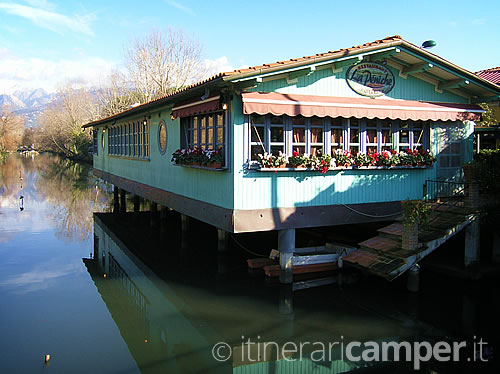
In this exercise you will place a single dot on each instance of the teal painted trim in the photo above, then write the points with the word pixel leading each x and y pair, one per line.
pixel 257 190
pixel 327 83
pixel 451 71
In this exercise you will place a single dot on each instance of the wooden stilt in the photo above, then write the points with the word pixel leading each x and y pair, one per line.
pixel 222 240
pixel 123 201
pixel 472 243
pixel 116 200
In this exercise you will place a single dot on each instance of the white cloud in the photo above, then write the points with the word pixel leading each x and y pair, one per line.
pixel 19 73
pixel 49 19
pixel 478 21
pixel 181 7
pixel 218 65
pixel 38 279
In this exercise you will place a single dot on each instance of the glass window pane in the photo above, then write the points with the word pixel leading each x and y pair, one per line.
pixel 277 134
pixel 257 134
pixel 316 135
pixel 275 149
pixel 354 136
pixel 203 137
pixel 299 120
pixel 299 135
pixel 336 121
pixel 315 150
pixel 354 122
pixel 386 123
pixel 337 136
pixel 335 147
pixel 354 149
pixel 386 136
pixel 195 136
pixel 418 136
pixel 210 137
pixel 277 120
pixel 371 149
pixel 404 136
pixel 255 118
pixel 371 123
pixel 255 151
pixel 316 121
pixel 299 148
pixel 371 136
pixel 220 135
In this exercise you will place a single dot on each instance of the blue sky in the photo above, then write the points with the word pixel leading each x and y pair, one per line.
pixel 46 42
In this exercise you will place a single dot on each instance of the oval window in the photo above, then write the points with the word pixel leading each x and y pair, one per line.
pixel 162 137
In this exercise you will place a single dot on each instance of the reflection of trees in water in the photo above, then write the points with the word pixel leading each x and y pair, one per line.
pixel 67 186
pixel 74 193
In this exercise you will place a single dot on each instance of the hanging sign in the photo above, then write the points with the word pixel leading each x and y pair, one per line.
pixel 370 79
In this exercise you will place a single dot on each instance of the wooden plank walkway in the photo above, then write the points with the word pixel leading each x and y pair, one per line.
pixel 384 256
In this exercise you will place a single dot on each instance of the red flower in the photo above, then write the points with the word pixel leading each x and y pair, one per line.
pixel 295 154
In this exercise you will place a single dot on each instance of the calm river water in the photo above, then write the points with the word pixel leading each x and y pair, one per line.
pixel 112 293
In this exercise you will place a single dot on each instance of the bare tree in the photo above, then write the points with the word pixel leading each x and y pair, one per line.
pixel 11 129
pixel 116 95
pixel 162 63
pixel 60 124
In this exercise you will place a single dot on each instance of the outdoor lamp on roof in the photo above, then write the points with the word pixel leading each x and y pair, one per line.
pixel 429 44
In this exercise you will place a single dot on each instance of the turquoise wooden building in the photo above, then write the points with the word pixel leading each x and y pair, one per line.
pixel 388 95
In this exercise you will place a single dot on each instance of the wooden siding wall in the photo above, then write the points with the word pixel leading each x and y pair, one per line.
pixel 326 83
pixel 211 186
pixel 261 190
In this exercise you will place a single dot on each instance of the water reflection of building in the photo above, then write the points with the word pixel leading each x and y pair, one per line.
pixel 171 324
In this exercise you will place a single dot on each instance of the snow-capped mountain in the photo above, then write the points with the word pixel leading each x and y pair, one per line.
pixel 28 103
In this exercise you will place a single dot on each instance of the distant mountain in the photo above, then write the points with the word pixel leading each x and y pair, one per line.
pixel 28 103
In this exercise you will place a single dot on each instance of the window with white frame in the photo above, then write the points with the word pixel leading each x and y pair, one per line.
pixel 269 133
pixel 273 134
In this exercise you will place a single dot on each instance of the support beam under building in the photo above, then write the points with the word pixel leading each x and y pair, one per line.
pixel 123 201
pixel 472 236
pixel 116 200
pixel 137 204
pixel 222 240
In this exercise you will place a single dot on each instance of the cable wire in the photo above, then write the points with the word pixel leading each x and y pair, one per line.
pixel 370 215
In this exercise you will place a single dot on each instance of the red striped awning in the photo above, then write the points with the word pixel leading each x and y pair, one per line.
pixel 327 106
pixel 210 104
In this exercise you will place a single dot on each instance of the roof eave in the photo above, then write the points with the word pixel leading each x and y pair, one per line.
pixel 154 104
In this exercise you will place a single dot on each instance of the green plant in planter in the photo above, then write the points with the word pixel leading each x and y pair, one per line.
pixel 297 160
pixel 362 159
pixel 415 212
pixel 269 160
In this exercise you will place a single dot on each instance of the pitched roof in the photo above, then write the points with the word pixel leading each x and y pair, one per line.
pixel 391 41
pixel 491 74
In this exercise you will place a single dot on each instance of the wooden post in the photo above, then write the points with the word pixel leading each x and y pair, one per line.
pixel 184 233
pixel 116 200
pixel 137 206
pixel 222 240
pixel 472 236
pixel 123 201
pixel 286 247
pixel 152 213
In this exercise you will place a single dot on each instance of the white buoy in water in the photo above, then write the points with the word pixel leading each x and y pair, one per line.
pixel 47 359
